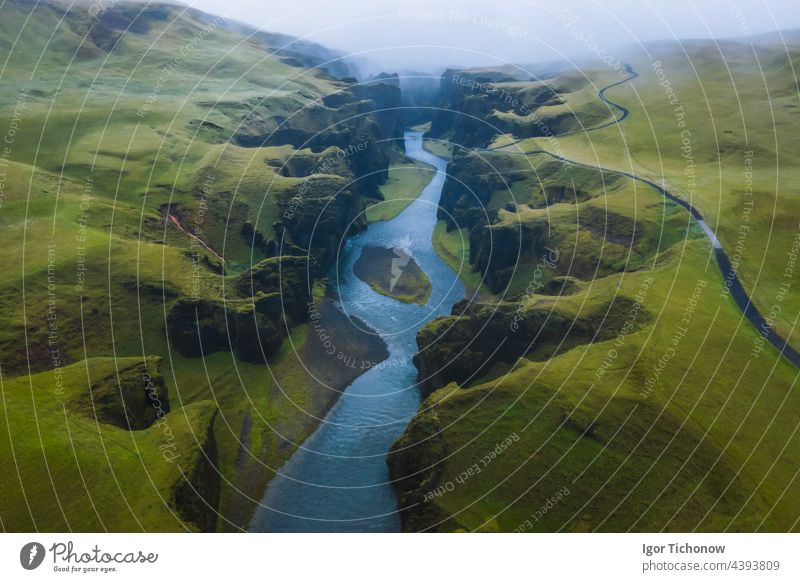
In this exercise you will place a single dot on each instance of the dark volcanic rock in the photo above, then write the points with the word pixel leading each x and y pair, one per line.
pixel 319 214
pixel 460 348
pixel 495 250
pixel 279 291
pixel 384 93
pixel 470 97
pixel 472 178
pixel 283 281
pixel 196 497
pixel 199 327
pixel 365 121
pixel 415 468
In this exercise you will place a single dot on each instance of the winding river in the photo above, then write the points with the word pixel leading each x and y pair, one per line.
pixel 338 480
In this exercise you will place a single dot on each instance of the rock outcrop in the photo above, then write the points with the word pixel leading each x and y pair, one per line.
pixel 464 346
pixel 364 121
pixel 196 495
pixel 416 469
pixel 278 290
pixel 317 216
pixel 470 99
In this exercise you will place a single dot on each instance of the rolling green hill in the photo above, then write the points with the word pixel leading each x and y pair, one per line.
pixel 605 380
pixel 160 175
pixel 716 124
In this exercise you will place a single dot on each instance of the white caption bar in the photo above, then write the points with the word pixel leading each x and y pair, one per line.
pixel 401 557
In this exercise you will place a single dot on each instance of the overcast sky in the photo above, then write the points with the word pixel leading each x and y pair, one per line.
pixel 423 34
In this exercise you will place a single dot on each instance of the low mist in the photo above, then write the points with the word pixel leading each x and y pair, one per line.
pixel 417 35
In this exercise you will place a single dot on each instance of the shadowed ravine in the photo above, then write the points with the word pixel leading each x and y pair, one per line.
pixel 338 480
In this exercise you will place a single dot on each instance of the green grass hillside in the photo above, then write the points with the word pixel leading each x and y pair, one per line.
pixel 69 469
pixel 675 425
pixel 604 380
pixel 716 124
pixel 156 156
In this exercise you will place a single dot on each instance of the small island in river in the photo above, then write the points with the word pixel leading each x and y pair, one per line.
pixel 393 272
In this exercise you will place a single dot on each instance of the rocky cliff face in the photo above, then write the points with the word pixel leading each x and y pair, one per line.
pixel 196 496
pixel 472 179
pixel 416 470
pixel 317 216
pixel 276 293
pixel 135 398
pixel 464 346
pixel 469 99
pixel 495 250
pixel 341 152
pixel 545 241
pixel 383 91
pixel 363 120
pixel 517 210
pixel 496 247
pixel 420 95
